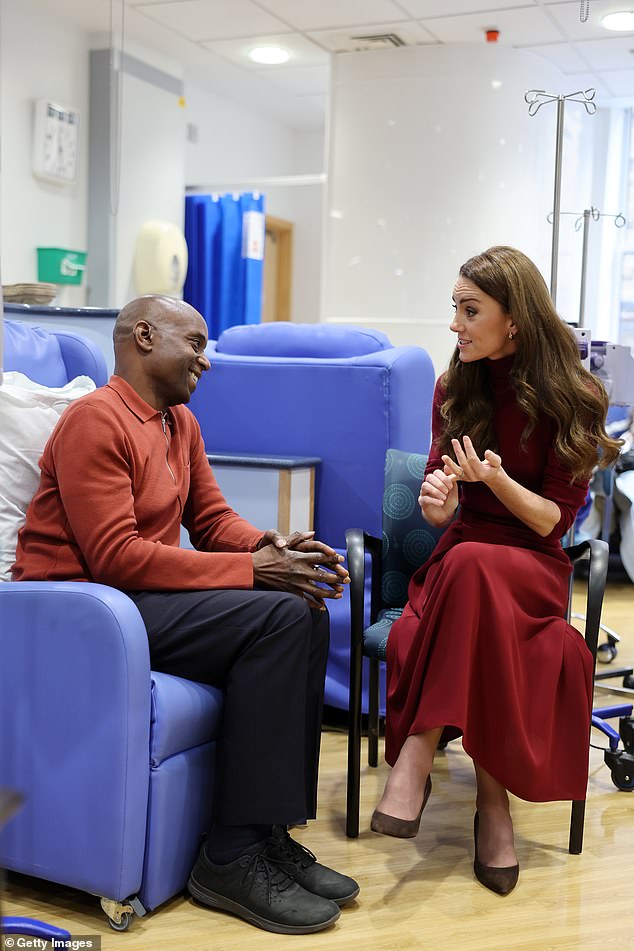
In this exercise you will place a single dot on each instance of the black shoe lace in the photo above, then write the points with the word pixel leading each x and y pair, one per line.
pixel 296 852
pixel 277 878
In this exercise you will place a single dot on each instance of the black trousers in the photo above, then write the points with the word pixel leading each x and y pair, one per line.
pixel 267 650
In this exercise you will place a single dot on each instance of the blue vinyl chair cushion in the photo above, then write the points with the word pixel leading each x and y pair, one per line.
pixel 301 340
pixel 34 352
pixel 184 715
pixel 51 358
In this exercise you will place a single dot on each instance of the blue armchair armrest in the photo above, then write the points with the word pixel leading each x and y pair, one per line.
pixel 75 708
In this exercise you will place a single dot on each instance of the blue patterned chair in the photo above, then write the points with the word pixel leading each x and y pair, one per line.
pixel 407 542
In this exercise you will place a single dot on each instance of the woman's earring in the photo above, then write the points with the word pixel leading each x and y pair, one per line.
pixel 511 335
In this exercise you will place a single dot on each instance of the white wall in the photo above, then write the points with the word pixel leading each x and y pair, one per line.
pixel 238 150
pixel 429 163
pixel 152 172
pixel 310 158
pixel 234 143
pixel 40 57
pixel 308 213
pixel 310 152
pixel 607 243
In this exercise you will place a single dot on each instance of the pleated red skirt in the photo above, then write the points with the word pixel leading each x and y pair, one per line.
pixel 482 649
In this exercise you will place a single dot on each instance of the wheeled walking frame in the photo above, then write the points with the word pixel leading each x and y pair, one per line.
pixel 620 762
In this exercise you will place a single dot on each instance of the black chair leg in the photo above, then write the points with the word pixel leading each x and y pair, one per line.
pixel 354 744
pixel 577 815
pixel 596 552
pixel 373 714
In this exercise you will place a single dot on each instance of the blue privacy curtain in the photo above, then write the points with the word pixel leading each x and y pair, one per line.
pixel 225 242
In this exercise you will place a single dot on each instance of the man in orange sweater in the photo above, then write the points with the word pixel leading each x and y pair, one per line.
pixel 244 610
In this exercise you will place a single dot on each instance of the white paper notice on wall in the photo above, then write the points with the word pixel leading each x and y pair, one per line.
pixel 253 235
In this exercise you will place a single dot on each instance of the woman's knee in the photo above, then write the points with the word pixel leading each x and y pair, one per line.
pixel 472 558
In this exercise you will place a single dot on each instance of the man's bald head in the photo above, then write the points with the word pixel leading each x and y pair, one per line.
pixel 159 346
pixel 154 309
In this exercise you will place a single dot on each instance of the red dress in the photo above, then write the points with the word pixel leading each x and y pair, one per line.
pixel 482 648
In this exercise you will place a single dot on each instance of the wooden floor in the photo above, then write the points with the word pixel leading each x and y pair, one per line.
pixel 421 893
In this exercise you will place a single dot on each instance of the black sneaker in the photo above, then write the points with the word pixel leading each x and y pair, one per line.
pixel 255 887
pixel 306 870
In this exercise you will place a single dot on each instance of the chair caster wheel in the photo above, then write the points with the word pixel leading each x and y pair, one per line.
pixel 120 914
pixel 606 653
pixel 623 780
pixel 621 766
pixel 121 925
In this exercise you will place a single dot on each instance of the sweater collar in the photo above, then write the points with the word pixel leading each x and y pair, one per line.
pixel 132 400
pixel 500 369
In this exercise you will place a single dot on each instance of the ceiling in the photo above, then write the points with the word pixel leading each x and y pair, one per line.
pixel 210 38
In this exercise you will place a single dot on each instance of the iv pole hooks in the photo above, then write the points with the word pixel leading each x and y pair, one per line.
pixel 536 98
pixel 619 220
pixel 582 221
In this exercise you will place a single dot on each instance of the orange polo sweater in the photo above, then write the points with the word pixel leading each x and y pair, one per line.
pixel 115 486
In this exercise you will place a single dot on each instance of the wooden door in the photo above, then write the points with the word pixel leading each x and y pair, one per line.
pixel 278 264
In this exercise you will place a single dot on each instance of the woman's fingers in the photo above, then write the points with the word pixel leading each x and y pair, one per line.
pixel 469 450
pixel 461 456
pixel 436 487
pixel 452 468
pixel 429 500
pixel 468 465
pixel 437 484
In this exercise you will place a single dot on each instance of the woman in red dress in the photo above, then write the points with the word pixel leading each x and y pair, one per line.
pixel 482 649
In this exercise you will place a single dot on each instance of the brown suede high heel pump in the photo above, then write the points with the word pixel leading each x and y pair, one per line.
pixel 498 880
pixel 399 828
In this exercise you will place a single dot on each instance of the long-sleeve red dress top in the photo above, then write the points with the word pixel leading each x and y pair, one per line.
pixel 117 479
pixel 482 647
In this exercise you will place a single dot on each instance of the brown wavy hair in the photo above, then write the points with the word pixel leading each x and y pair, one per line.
pixel 547 373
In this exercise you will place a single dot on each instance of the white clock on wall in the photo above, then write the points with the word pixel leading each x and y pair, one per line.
pixel 55 142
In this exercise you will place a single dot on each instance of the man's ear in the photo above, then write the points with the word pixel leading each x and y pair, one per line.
pixel 143 335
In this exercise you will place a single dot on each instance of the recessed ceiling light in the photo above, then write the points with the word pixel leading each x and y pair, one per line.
pixel 619 21
pixel 269 55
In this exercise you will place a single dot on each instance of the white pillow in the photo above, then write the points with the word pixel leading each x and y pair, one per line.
pixel 28 414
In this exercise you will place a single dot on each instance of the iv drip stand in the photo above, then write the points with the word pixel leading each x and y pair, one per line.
pixel 588 213
pixel 584 261
pixel 559 139
pixel 536 98
pixel 583 219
